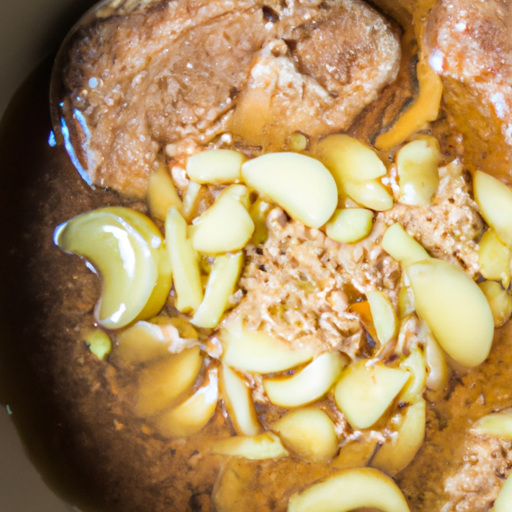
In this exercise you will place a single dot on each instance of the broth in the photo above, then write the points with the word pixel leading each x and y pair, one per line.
pixel 74 412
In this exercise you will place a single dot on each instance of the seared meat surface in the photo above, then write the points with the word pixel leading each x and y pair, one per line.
pixel 175 75
pixel 470 46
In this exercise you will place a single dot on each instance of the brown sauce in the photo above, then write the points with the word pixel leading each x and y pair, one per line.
pixel 68 406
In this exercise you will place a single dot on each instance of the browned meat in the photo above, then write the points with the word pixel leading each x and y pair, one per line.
pixel 175 75
pixel 470 46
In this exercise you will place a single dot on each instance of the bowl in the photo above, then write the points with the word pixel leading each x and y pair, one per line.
pixel 30 32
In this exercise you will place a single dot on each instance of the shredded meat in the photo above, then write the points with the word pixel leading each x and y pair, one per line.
pixel 299 284
pixel 484 465
pixel 176 74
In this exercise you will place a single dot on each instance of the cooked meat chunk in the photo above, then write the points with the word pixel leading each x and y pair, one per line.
pixel 470 46
pixel 176 74
pixel 475 485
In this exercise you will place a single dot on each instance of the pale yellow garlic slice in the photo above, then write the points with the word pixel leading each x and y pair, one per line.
pixel 221 284
pixel 165 381
pixel 401 246
pixel 260 447
pixel 417 165
pixel 191 200
pixel 497 425
pixel 495 201
pixel 238 402
pixel 226 226
pixel 416 365
pixel 98 342
pixel 193 414
pixel 384 316
pixel 365 392
pixel 371 194
pixel 350 225
pixel 356 169
pixel 184 262
pixel 399 451
pixel 437 376
pixel 308 384
pixel 162 193
pixel 454 308
pixel 503 502
pixel 217 166
pixel 350 489
pixel 128 251
pixel 349 160
pixel 299 184
pixel 256 351
pixel 405 297
pixel 309 433
pixel 500 301
pixel 297 142
pixel 494 258
pixel 144 341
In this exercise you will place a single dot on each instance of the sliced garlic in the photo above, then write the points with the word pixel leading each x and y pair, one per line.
pixel 308 384
pixel 405 297
pixel 191 200
pixel 226 226
pixel 217 166
pixel 365 392
pixel 127 249
pixel 494 258
pixel 142 342
pixel 497 425
pixel 164 382
pixel 260 447
pixel 500 301
pixel 436 362
pixel 259 211
pixel 256 351
pixel 350 225
pixel 371 194
pixel 98 343
pixel 301 185
pixel 298 142
pixel 417 165
pixel 504 499
pixel 193 414
pixel 184 262
pixel 349 160
pixel 351 489
pixel 238 402
pixel 222 282
pixel 384 316
pixel 495 201
pixel 416 365
pixel 454 308
pixel 162 193
pixel 399 451
pixel 401 246
pixel 309 433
